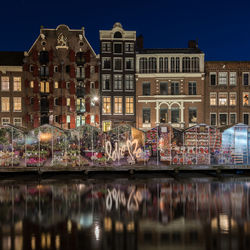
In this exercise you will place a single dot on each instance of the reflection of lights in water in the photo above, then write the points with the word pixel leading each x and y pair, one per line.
pixel 33 242
pixel 69 226
pixel 131 226
pixel 43 240
pixel 223 223
pixel 57 241
pixel 118 226
pixel 48 240
pixel 107 224
pixel 97 232
pixel 81 186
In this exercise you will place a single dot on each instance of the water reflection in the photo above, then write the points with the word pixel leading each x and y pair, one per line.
pixel 125 214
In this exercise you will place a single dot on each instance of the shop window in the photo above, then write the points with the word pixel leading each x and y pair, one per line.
pixel 223 99
pixel 163 88
pixel 213 99
pixel 232 79
pixel 106 126
pixel 175 88
pixel 17 84
pixel 222 78
pixel 223 119
pixel 106 85
pixel 192 88
pixel 106 105
pixel 146 88
pixel 245 98
pixel 5 83
pixel 245 79
pixel 117 82
pixel 175 115
pixel 232 118
pixel 246 119
pixel 146 115
pixel 192 114
pixel 163 115
pixel 213 121
pixel 212 79
pixel 129 82
pixel 118 105
pixel 232 99
pixel 129 105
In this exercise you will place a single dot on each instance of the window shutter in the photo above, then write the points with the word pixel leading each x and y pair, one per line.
pixel 72 72
pixel 27 118
pixel 35 71
pixel 26 83
pixel 63 101
pixel 26 67
pixel 63 119
pixel 96 85
pixel 51 87
pixel 36 121
pixel 88 119
pixel 51 103
pixel 72 104
pixel 62 84
pixel 87 71
pixel 72 55
pixel 36 87
pixel 72 89
pixel 97 119
pixel 72 121
pixel 36 104
pixel 87 88
pixel 27 100
pixel 51 70
pixel 51 55
pixel 87 56
pixel 34 55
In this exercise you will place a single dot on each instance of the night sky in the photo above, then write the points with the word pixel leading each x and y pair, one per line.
pixel 221 27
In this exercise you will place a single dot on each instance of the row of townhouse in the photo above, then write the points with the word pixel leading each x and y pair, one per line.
pixel 61 81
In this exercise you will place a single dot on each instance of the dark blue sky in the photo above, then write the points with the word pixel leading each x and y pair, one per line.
pixel 221 27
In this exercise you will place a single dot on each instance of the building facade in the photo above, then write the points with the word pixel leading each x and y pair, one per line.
pixel 169 87
pixel 12 88
pixel 117 76
pixel 227 93
pixel 61 80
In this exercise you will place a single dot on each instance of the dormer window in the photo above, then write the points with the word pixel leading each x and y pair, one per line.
pixel 118 34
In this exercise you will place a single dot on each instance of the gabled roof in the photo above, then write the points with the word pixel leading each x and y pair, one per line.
pixel 11 58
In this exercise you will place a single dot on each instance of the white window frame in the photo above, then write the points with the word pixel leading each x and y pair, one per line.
pixel 17 118
pixel 114 105
pixel 129 75
pixel 126 106
pixel 125 50
pixel 219 77
pixel 229 120
pixel 5 90
pixel 235 98
pixel 115 53
pixel 222 93
pixel 133 63
pixel 14 104
pixel 5 123
pixel 213 113
pixel 2 104
pixel 215 99
pixel 106 51
pixel 118 70
pixel 107 121
pixel 243 78
pixel 110 105
pixel 230 73
pixel 216 80
pixel 115 89
pixel 103 59
pixel 223 113
pixel 110 83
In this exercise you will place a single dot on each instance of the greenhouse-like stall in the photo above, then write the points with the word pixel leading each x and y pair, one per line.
pixel 235 145
pixel 201 142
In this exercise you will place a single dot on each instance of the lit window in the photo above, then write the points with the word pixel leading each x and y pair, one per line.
pixel 17 104
pixel 17 121
pixel 80 120
pixel 56 85
pixel 32 84
pixel 106 126
pixel 222 78
pixel 245 98
pixel 192 112
pixel 5 83
pixel 232 80
pixel 129 82
pixel 223 119
pixel 223 99
pixel 17 84
pixel 68 118
pixel 44 87
pixel 92 119
pixel 129 105
pixel 106 105
pixel 68 101
pixel 5 120
pixel 129 63
pixel 213 99
pixel 117 82
pixel 118 105
pixel 232 99
pixel 80 105
pixel 5 103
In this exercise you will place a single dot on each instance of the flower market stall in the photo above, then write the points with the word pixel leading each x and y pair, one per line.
pixel 199 141
pixel 235 145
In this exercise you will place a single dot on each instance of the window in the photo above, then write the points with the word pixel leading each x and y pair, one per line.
pixel 232 99
pixel 245 98
pixel 118 105
pixel 152 65
pixel 106 63
pixel 129 63
pixel 17 104
pixel 129 82
pixel 17 84
pixel 223 119
pixel 68 101
pixel 117 48
pixel 245 79
pixel 222 80
pixel 106 84
pixel 44 87
pixel 192 114
pixel 32 84
pixel 5 120
pixel 212 79
pixel 146 115
pixel 80 105
pixel 55 69
pixel 175 115
pixel 80 120
pixel 192 88
pixel 163 88
pixel 213 119
pixel 129 47
pixel 80 72
pixel 175 64
pixel 195 64
pixel 117 82
pixel 106 105
pixel 174 88
pixel 5 83
pixel 106 47
pixel 246 119
pixel 118 64
pixel 17 121
pixel 129 105
pixel 223 99
pixel 232 80
pixel 143 65
pixel 118 34
pixel 44 71
pixel 146 88
pixel 233 118
pixel 185 64
pixel 92 119
pixel 163 115
pixel 213 99
pixel 106 126
pixel 68 118
pixel 56 85
pixel 5 103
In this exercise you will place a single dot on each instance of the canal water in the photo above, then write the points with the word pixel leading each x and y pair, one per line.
pixel 142 213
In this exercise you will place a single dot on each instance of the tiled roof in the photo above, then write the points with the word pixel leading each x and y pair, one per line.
pixel 170 51
pixel 11 58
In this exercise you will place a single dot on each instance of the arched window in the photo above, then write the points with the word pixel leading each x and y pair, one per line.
pixel 143 65
pixel 118 34
pixel 195 64
pixel 185 64
pixel 152 65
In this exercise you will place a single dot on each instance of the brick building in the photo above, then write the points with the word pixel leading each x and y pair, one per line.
pixel 227 93
pixel 117 76
pixel 12 88
pixel 61 80
pixel 169 86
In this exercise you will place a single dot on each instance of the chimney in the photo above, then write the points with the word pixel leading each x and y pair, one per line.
pixel 139 42
pixel 192 44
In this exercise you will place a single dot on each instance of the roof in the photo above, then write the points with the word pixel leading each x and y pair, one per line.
pixel 11 58
pixel 170 51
